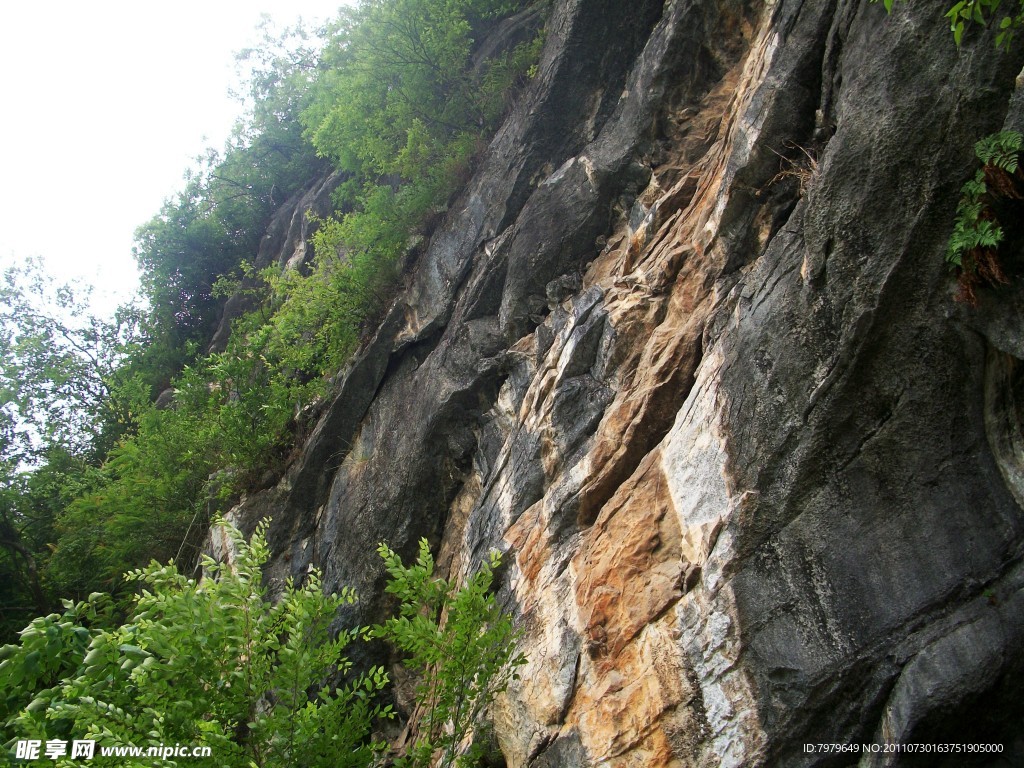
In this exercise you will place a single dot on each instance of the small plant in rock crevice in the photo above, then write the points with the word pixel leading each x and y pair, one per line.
pixel 462 649
pixel 973 250
pixel 803 168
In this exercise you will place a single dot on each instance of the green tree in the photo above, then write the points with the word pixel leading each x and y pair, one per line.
pixel 216 221
pixel 61 374
pixel 397 88
pixel 21 588
pixel 64 401
pixel 30 503
pixel 279 74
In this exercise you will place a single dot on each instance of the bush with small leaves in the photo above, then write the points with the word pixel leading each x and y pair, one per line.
pixel 461 646
pixel 213 662
pixel 209 662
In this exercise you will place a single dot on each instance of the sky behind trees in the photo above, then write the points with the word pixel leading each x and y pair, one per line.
pixel 105 106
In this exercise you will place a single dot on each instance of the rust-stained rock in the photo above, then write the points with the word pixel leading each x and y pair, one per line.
pixel 629 568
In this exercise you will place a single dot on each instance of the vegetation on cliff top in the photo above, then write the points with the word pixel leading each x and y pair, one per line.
pixel 120 439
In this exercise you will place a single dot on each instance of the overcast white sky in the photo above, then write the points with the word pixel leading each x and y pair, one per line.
pixel 104 105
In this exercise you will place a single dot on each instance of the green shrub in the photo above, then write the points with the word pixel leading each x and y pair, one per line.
pixel 215 663
pixel 460 645
pixel 208 662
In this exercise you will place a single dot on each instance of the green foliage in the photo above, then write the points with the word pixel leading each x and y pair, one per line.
pixel 30 504
pixel 209 663
pixel 980 12
pixel 460 645
pixel 395 102
pixel 65 399
pixel 1000 150
pixel 402 101
pixel 973 246
pixel 398 106
pixel 147 500
pixel 397 87
pixel 74 386
pixel 60 366
pixel 52 649
pixel 154 493
pixel 217 220
pixel 215 663
pixel 268 152
pixel 970 230
pixel 308 322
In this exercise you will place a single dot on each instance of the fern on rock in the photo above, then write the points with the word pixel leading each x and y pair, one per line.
pixel 973 250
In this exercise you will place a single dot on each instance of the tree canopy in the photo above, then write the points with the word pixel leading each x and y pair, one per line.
pixel 121 438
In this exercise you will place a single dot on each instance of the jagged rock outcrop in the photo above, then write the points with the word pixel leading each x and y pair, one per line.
pixel 685 349
pixel 286 243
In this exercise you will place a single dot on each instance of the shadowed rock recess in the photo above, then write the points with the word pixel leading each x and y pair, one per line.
pixel 685 350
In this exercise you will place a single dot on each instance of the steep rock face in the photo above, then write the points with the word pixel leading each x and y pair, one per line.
pixel 685 350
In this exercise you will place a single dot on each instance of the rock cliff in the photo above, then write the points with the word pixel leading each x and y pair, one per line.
pixel 685 350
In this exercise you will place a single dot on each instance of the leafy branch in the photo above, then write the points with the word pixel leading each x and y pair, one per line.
pixel 982 13
pixel 461 645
